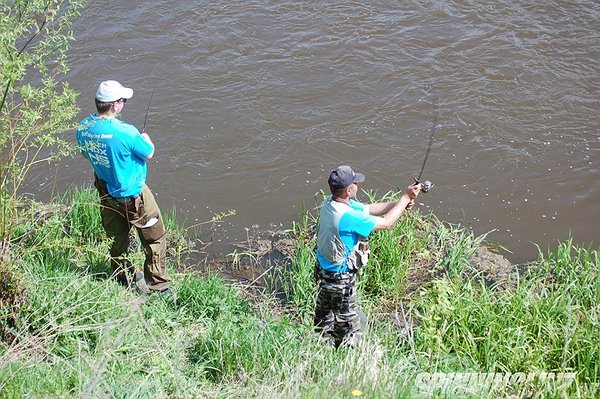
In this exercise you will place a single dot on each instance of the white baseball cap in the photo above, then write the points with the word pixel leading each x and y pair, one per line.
pixel 111 90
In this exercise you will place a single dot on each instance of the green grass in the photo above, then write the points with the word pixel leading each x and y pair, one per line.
pixel 298 281
pixel 77 333
pixel 549 321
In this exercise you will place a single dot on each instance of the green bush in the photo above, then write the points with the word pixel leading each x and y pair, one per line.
pixel 34 113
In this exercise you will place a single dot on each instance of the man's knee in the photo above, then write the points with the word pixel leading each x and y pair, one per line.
pixel 120 245
pixel 323 319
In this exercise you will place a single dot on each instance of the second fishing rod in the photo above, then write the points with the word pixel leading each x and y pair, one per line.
pixel 148 110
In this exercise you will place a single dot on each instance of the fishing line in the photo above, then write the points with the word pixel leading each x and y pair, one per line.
pixel 435 117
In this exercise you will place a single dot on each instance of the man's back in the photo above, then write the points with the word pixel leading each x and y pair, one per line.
pixel 117 153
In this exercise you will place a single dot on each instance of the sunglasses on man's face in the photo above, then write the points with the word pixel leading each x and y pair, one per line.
pixel 122 100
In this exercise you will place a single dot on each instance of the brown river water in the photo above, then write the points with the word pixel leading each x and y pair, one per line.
pixel 256 101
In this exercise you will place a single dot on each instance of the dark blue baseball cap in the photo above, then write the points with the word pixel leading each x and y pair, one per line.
pixel 344 176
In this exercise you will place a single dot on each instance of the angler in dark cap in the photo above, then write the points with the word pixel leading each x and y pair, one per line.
pixel 345 223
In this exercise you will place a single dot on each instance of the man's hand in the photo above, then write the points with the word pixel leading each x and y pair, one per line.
pixel 393 210
pixel 413 191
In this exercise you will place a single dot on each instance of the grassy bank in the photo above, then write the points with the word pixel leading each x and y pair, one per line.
pixel 69 330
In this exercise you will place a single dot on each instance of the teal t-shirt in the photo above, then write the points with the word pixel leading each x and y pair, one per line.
pixel 340 228
pixel 117 152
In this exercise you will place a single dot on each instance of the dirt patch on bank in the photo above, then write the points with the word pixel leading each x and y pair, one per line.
pixel 259 261
pixel 494 268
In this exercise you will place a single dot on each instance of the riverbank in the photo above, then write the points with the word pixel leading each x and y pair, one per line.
pixel 437 300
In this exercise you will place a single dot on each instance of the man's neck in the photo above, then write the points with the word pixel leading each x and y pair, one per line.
pixel 108 115
pixel 343 200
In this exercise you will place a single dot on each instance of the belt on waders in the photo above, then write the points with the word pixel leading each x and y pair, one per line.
pixel 336 276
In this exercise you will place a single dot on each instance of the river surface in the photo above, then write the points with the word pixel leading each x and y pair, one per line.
pixel 256 101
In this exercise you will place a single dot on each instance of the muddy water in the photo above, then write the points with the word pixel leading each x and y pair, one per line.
pixel 256 101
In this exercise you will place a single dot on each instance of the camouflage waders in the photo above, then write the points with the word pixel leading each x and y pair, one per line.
pixel 337 316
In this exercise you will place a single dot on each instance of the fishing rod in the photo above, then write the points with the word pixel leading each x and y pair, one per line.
pixel 427 184
pixel 148 110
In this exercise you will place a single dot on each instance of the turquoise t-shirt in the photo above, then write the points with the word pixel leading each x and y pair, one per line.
pixel 340 228
pixel 117 152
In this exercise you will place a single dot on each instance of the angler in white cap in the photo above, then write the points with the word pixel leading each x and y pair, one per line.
pixel 118 153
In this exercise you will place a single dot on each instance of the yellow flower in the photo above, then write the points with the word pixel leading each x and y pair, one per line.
pixel 357 392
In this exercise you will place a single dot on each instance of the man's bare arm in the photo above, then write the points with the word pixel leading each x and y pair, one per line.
pixel 394 210
pixel 147 138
